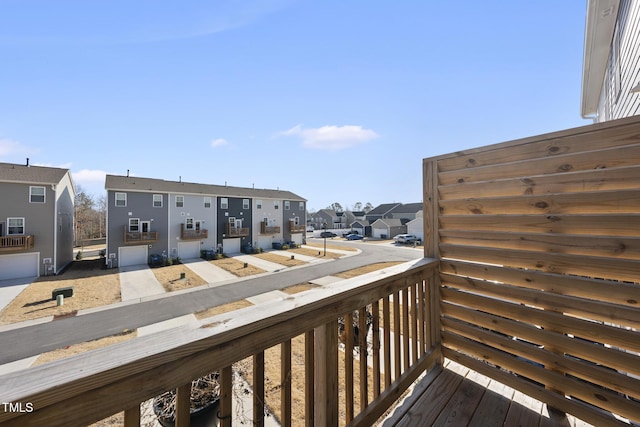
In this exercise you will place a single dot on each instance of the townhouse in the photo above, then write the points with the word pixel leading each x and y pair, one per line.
pixel 36 220
pixel 154 217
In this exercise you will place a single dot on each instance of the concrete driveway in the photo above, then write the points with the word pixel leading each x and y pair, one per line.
pixel 137 282
pixel 10 288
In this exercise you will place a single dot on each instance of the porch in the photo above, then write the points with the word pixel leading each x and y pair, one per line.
pixel 15 243
pixel 529 281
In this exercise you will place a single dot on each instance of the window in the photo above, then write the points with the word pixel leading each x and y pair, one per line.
pixel 232 221
pixel 276 204
pixel 245 203
pixel 121 199
pixel 301 206
pixel 207 202
pixel 296 220
pixel 157 200
pixel 15 226
pixel 36 194
pixel 188 224
pixel 134 224
pixel 179 201
pixel 287 205
pixel 258 204
pixel 224 203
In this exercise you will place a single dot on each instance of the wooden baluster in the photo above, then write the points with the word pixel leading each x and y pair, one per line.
pixel 226 394
pixel 362 344
pixel 309 363
pixel 386 330
pixel 375 310
pixel 285 378
pixel 183 405
pixel 258 389
pixel 132 416
pixel 326 369
pixel 348 366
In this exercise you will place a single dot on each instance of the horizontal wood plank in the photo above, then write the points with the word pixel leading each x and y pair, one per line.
pixel 622 178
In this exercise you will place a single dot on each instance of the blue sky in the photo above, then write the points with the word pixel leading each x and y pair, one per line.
pixel 336 101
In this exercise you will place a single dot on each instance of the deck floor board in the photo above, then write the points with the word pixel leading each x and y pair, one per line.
pixel 458 396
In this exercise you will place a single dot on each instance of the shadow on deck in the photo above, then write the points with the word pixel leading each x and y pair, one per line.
pixel 457 396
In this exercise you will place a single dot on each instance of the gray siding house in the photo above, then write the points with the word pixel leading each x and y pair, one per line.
pixel 153 217
pixel 36 220
pixel 611 63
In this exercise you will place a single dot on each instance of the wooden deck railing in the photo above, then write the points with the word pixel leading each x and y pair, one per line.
pixel 16 243
pixel 539 242
pixel 296 228
pixel 399 304
pixel 265 229
pixel 191 234
pixel 232 231
pixel 133 237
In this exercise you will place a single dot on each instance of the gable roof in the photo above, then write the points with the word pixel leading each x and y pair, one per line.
pixel 134 183
pixel 383 209
pixel 10 172
pixel 389 222
pixel 408 208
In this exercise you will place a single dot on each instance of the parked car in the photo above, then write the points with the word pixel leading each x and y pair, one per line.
pixel 406 238
pixel 327 234
pixel 310 229
pixel 346 233
pixel 354 237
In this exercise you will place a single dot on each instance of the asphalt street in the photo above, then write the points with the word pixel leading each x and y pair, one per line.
pixel 32 340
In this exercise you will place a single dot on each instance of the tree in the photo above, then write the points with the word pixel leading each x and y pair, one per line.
pixel 357 206
pixel 336 207
pixel 368 207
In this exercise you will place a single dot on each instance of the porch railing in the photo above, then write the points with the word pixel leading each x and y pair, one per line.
pixel 265 229
pixel 133 237
pixel 296 228
pixel 16 243
pixel 233 231
pixel 192 234
pixel 397 307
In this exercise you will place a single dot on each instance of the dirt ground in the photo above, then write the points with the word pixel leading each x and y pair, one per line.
pixel 93 286
pixel 316 253
pixel 237 267
pixel 170 277
pixel 279 259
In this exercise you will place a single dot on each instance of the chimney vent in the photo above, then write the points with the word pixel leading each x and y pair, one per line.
pixel 27 161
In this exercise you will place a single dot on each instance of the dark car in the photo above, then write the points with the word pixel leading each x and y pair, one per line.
pixel 326 234
pixel 353 237
pixel 346 233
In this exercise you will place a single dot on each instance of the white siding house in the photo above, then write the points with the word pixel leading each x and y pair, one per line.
pixel 611 65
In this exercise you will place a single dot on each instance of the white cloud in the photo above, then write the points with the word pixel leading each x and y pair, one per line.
pixel 219 142
pixel 9 147
pixel 331 138
pixel 90 180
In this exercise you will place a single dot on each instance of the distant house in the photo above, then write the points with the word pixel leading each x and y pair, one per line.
pixel 416 227
pixel 36 220
pixel 362 226
pixel 407 211
pixel 381 211
pixel 325 217
pixel 610 78
pixel 387 228
pixel 147 216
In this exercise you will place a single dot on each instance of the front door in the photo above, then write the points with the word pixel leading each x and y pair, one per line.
pixel 146 226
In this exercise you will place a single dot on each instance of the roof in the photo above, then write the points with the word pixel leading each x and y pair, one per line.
pixel 408 208
pixel 10 172
pixel 148 185
pixel 598 33
pixel 389 222
pixel 383 209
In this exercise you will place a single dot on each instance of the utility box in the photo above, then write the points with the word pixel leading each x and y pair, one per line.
pixel 65 292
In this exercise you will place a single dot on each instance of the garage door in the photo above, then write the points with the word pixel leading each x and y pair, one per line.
pixel 189 250
pixel 19 266
pixel 297 238
pixel 231 246
pixel 264 242
pixel 132 255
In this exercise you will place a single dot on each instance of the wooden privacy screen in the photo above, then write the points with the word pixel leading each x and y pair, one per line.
pixel 539 241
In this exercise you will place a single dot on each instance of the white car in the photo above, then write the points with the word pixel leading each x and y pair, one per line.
pixel 406 238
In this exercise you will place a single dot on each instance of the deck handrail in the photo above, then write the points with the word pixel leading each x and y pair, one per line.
pixel 137 370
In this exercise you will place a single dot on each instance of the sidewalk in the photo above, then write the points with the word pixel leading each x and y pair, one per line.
pixel 9 289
